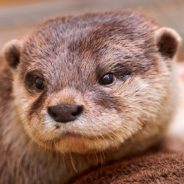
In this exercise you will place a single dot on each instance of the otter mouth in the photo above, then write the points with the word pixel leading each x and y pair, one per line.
pixel 75 137
pixel 69 135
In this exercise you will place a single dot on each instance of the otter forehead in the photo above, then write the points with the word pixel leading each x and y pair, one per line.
pixel 91 45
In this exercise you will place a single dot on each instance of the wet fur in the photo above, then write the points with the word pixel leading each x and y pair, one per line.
pixel 72 54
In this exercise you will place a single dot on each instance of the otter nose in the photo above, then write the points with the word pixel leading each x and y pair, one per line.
pixel 65 113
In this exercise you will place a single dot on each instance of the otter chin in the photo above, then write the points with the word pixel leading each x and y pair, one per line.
pixel 82 86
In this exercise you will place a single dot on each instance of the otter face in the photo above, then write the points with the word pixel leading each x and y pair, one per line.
pixel 89 83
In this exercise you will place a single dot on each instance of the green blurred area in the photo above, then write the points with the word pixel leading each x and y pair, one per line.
pixel 18 17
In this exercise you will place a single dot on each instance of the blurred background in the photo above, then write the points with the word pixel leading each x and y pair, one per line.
pixel 19 17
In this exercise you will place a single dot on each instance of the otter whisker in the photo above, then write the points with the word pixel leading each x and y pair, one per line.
pixel 113 140
pixel 103 154
pixel 101 159
pixel 73 163
pixel 64 160
pixel 96 158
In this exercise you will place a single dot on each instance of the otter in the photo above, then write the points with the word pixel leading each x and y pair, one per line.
pixel 81 91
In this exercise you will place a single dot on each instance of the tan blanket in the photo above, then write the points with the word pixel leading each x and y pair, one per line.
pixel 163 163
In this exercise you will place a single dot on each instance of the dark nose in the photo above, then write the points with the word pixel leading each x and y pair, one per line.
pixel 65 113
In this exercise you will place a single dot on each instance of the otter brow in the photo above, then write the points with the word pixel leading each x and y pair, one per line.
pixel 130 67
pixel 119 69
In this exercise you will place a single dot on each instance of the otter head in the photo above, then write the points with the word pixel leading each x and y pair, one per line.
pixel 90 83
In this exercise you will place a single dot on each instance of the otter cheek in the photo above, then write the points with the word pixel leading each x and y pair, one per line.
pixel 42 132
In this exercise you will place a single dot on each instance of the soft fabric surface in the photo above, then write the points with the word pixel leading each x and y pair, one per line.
pixel 164 163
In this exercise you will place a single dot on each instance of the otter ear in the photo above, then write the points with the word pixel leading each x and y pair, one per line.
pixel 167 41
pixel 11 53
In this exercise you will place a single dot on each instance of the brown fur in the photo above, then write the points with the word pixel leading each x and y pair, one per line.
pixel 161 164
pixel 71 55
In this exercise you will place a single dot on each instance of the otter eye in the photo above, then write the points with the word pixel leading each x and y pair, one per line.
pixel 107 79
pixel 39 84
